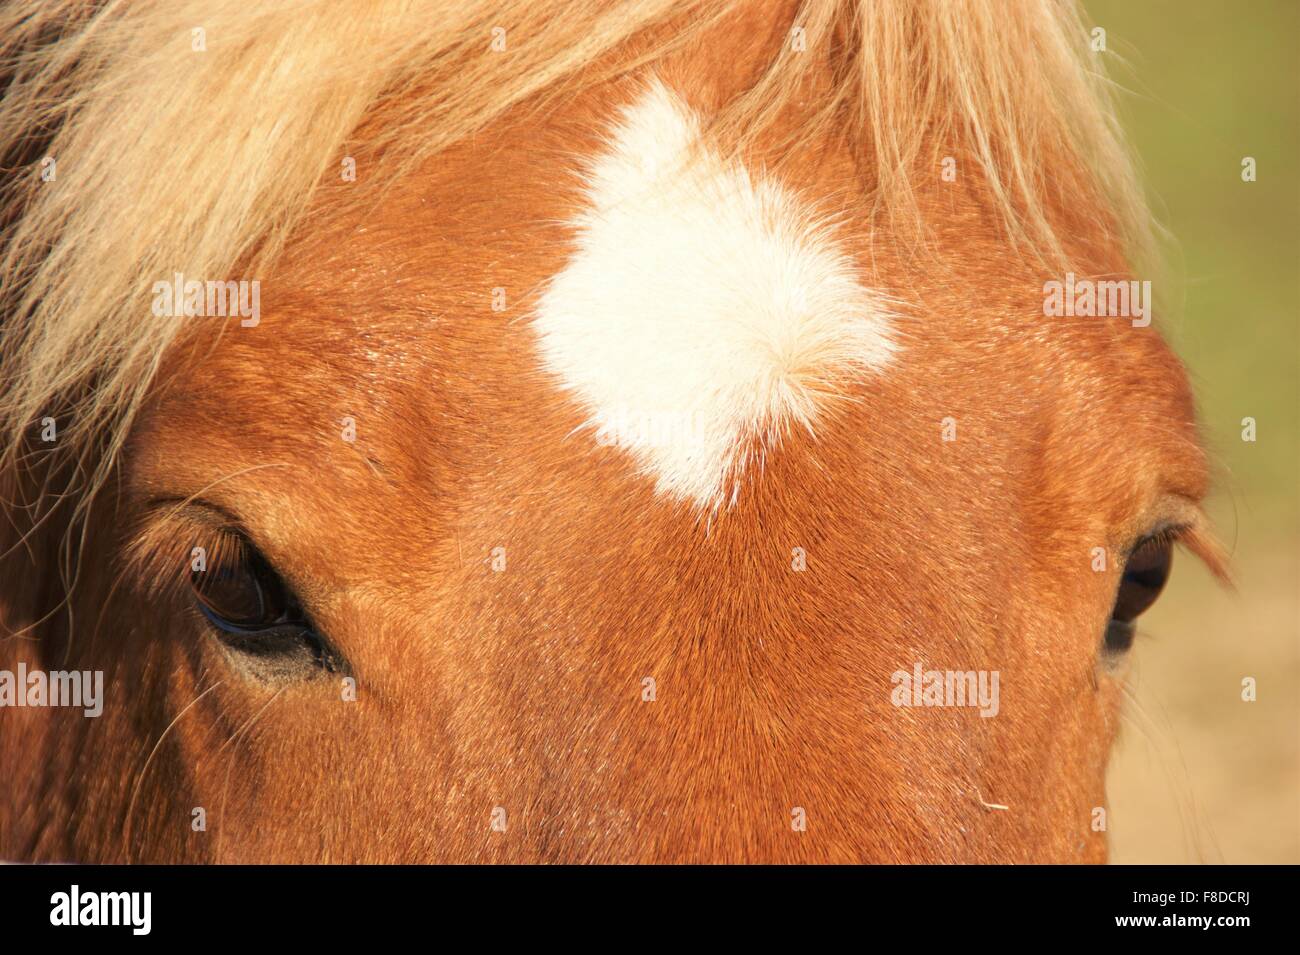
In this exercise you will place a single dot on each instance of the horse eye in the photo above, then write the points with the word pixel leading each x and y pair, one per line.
pixel 258 617
pixel 1145 574
pixel 242 595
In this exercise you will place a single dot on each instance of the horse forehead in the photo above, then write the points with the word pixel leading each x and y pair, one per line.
pixel 688 308
pixel 606 279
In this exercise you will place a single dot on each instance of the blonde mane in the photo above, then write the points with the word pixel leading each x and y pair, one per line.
pixel 171 160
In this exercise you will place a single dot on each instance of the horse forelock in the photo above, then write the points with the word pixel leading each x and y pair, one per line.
pixel 146 189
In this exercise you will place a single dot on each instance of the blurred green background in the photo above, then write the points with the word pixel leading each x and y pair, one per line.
pixel 1198 774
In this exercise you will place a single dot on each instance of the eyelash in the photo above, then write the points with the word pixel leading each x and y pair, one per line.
pixel 1165 536
pixel 153 558
pixel 226 548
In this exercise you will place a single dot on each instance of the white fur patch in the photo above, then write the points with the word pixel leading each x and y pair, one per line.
pixel 703 307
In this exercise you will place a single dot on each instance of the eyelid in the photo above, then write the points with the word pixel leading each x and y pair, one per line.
pixel 1191 530
pixel 1165 534
pixel 195 510
pixel 161 552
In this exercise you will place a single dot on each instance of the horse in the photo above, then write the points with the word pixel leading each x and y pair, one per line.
pixel 538 431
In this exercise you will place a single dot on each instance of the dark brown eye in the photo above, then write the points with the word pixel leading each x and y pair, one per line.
pixel 256 615
pixel 241 594
pixel 1145 572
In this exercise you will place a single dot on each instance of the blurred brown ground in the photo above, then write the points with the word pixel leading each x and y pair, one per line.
pixel 1199 775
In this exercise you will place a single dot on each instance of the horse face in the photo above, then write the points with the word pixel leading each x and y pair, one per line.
pixel 391 588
